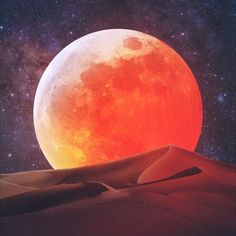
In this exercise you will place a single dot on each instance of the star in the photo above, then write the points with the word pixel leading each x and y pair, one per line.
pixel 221 97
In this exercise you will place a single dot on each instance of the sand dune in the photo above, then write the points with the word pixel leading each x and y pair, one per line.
pixel 177 159
pixel 114 173
pixel 169 191
pixel 10 189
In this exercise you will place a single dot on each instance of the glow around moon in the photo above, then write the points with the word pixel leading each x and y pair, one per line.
pixel 112 94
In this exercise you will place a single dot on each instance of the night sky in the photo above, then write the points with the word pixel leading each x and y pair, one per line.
pixel 32 32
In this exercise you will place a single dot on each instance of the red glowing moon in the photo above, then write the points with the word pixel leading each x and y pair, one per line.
pixel 112 94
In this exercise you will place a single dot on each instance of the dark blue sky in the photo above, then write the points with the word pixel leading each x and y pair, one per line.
pixel 33 32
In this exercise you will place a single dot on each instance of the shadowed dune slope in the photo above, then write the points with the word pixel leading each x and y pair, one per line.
pixel 50 197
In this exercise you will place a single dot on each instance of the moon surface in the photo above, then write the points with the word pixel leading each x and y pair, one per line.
pixel 112 94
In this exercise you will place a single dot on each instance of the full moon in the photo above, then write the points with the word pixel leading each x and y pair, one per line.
pixel 112 94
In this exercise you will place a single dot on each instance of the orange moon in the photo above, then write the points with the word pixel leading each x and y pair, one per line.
pixel 112 94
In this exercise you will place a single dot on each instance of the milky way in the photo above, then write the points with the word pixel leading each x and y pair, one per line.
pixel 33 32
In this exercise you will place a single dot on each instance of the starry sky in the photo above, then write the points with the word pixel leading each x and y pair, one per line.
pixel 33 32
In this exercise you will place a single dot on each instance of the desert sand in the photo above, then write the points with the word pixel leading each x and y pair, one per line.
pixel 169 191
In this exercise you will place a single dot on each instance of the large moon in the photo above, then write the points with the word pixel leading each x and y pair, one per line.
pixel 112 94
